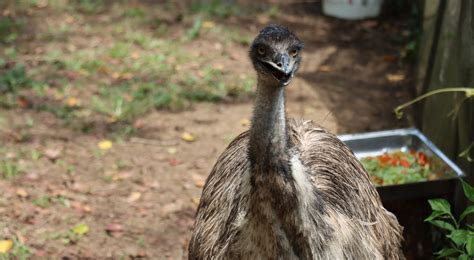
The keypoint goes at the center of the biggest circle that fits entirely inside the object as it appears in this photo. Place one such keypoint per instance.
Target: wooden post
(448, 119)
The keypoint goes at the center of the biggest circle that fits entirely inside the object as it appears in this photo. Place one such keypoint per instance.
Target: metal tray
(376, 143)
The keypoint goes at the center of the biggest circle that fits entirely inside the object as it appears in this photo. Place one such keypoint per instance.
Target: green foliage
(90, 6)
(460, 239)
(92, 66)
(19, 251)
(9, 168)
(218, 8)
(193, 32)
(135, 12)
(73, 235)
(14, 78)
(119, 50)
(466, 153)
(9, 29)
(274, 11)
(42, 202)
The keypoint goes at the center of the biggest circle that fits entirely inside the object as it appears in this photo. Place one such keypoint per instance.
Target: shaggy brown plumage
(288, 189)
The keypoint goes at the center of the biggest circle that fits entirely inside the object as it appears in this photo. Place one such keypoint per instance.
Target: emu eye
(293, 52)
(261, 50)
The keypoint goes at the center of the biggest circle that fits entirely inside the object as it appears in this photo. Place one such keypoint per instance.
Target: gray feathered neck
(269, 142)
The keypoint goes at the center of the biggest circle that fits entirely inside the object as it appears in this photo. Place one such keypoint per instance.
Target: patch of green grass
(9, 168)
(141, 241)
(35, 154)
(119, 50)
(115, 105)
(43, 201)
(63, 201)
(90, 6)
(135, 12)
(14, 78)
(10, 28)
(92, 66)
(141, 40)
(63, 164)
(19, 251)
(274, 11)
(193, 32)
(72, 235)
(108, 179)
(57, 32)
(217, 8)
(143, 69)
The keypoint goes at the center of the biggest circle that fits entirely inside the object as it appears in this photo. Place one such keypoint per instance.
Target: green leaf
(471, 227)
(446, 252)
(440, 205)
(463, 257)
(470, 244)
(467, 211)
(434, 215)
(80, 229)
(468, 190)
(442, 224)
(458, 236)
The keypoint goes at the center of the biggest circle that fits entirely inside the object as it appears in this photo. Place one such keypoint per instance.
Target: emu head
(275, 54)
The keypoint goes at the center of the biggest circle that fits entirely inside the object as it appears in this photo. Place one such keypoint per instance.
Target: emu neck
(268, 134)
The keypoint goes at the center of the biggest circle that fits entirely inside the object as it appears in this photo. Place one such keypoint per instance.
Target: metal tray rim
(406, 131)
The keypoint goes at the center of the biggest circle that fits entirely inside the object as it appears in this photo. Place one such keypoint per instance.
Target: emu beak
(281, 68)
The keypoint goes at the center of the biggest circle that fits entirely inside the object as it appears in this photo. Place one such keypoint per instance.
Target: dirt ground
(138, 198)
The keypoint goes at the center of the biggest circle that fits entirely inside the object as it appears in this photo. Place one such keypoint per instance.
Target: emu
(289, 189)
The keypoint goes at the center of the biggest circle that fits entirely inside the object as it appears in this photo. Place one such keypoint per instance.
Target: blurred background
(112, 113)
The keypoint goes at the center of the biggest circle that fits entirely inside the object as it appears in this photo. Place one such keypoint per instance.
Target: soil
(139, 197)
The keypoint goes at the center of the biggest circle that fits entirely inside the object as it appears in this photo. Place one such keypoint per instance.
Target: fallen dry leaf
(22, 193)
(198, 180)
(87, 209)
(81, 207)
(188, 137)
(11, 155)
(139, 254)
(172, 150)
(23, 102)
(174, 162)
(208, 24)
(244, 122)
(121, 176)
(171, 208)
(126, 76)
(32, 176)
(135, 55)
(369, 24)
(72, 102)
(395, 77)
(389, 58)
(80, 229)
(325, 68)
(115, 75)
(5, 246)
(53, 153)
(134, 196)
(114, 230)
(195, 200)
(139, 123)
(105, 144)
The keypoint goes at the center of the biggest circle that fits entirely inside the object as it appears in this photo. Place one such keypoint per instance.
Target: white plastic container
(352, 9)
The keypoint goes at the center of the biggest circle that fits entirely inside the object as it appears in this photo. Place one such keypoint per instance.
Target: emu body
(288, 189)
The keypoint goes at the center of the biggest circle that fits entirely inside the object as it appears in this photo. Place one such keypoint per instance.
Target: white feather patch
(304, 186)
